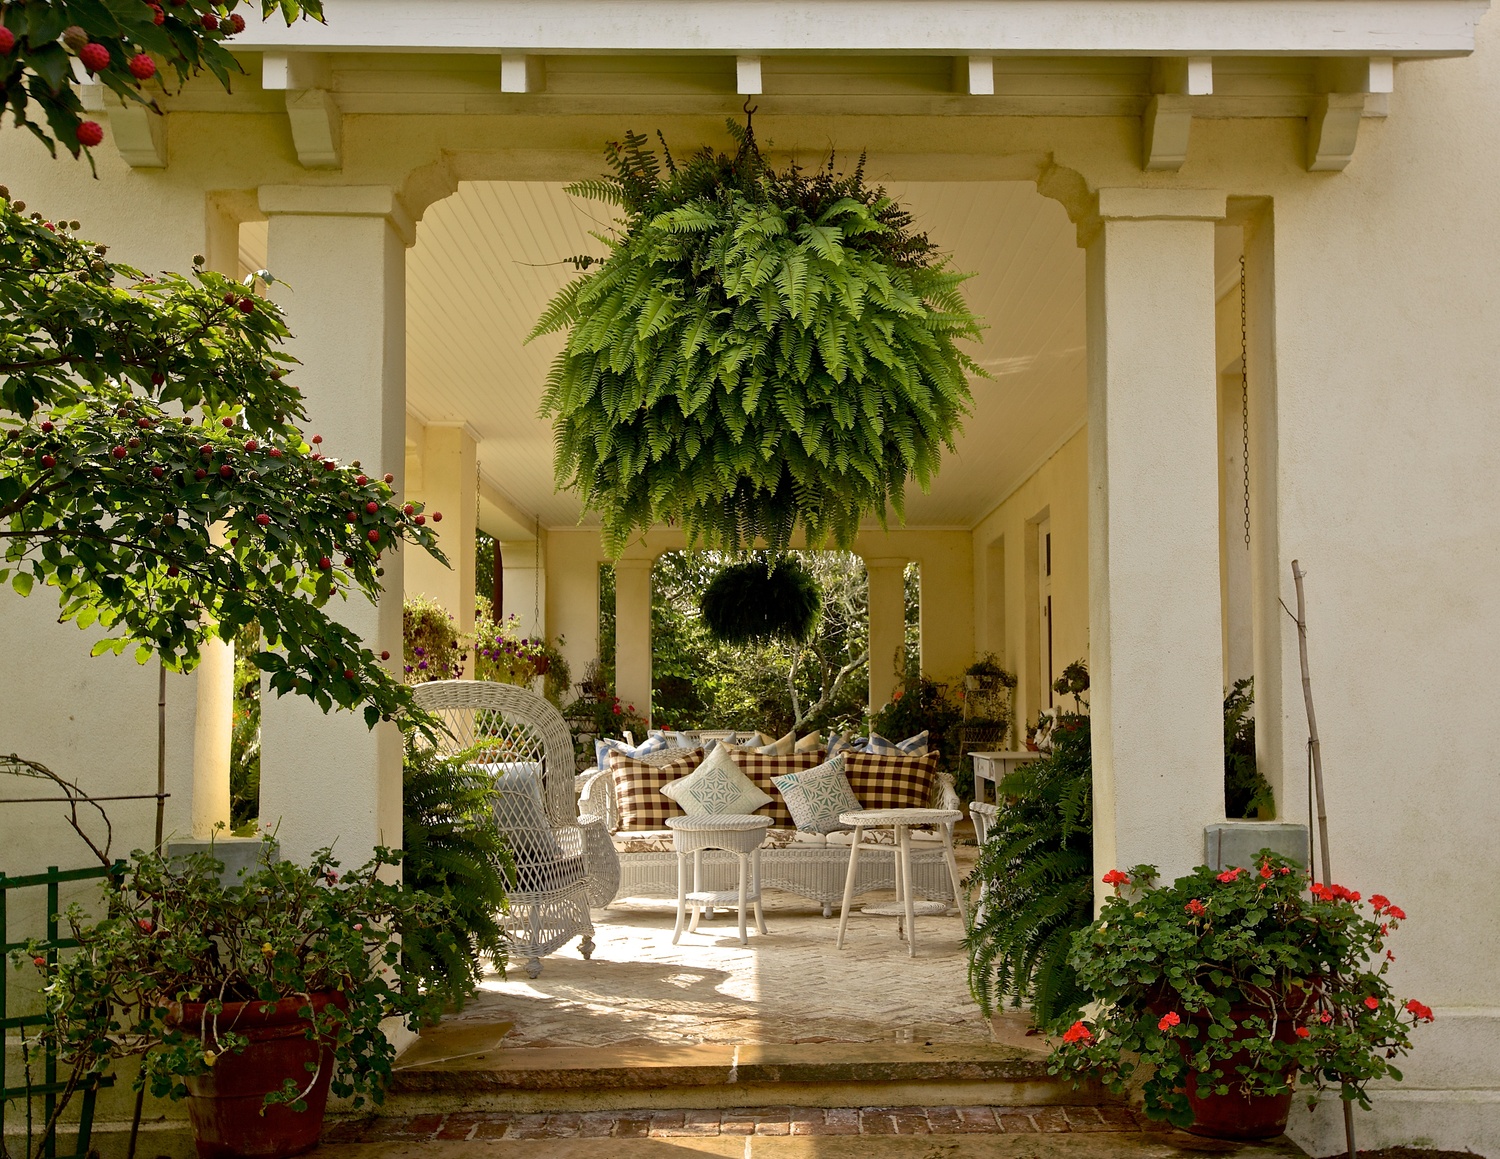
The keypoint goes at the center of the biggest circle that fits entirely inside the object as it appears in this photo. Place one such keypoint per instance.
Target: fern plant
(455, 851)
(766, 598)
(760, 351)
(1036, 871)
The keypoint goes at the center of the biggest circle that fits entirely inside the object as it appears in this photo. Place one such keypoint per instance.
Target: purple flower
(423, 665)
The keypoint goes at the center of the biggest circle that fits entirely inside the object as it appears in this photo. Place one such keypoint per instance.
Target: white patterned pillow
(817, 796)
(716, 786)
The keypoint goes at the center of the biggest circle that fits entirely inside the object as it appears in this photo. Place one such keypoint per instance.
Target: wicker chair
(564, 863)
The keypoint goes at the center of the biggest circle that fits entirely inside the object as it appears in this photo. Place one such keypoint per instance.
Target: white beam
(977, 75)
(747, 80)
(295, 70)
(520, 73)
(1404, 28)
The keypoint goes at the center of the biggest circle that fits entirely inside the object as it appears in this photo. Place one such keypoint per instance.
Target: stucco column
(887, 626)
(339, 255)
(633, 633)
(213, 728)
(450, 487)
(1156, 647)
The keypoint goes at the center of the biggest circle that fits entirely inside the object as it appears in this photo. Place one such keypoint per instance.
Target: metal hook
(748, 111)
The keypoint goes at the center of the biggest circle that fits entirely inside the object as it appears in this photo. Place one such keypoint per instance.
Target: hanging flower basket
(761, 600)
(761, 351)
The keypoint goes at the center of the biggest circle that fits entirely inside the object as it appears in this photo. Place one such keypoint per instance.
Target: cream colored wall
(1006, 606)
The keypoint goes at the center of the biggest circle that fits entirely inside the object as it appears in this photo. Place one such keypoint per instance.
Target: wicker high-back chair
(563, 862)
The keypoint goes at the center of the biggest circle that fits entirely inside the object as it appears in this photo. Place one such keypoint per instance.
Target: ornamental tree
(123, 44)
(152, 470)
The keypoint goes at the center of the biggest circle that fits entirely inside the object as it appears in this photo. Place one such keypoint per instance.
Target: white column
(633, 633)
(339, 255)
(1155, 636)
(213, 727)
(450, 487)
(887, 626)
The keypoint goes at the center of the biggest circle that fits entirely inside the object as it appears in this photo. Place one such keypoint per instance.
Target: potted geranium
(250, 1000)
(1230, 990)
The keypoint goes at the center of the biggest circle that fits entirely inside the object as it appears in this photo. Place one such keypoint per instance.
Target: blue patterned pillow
(604, 745)
(817, 796)
(716, 787)
(912, 746)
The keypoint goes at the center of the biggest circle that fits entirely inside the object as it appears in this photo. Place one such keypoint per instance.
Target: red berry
(372, 507)
(48, 461)
(225, 471)
(348, 561)
(157, 472)
(207, 450)
(251, 445)
(143, 424)
(210, 21)
(95, 57)
(437, 516)
(390, 478)
(36, 961)
(227, 423)
(349, 517)
(385, 655)
(157, 378)
(89, 134)
(361, 480)
(274, 452)
(172, 571)
(7, 40)
(247, 305)
(133, 442)
(348, 673)
(263, 519)
(409, 509)
(317, 439)
(119, 452)
(229, 299)
(374, 535)
(236, 23)
(420, 520)
(325, 563)
(47, 427)
(199, 473)
(142, 67)
(157, 15)
(329, 464)
(315, 456)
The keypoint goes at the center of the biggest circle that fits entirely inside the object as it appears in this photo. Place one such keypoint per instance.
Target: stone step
(450, 1075)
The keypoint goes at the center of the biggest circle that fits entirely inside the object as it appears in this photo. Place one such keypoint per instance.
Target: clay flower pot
(1238, 1115)
(226, 1105)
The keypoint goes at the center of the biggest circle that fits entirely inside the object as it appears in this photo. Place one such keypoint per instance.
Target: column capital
(875, 561)
(339, 201)
(1135, 204)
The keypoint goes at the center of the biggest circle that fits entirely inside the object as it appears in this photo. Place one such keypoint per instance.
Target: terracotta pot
(226, 1104)
(541, 664)
(1237, 1115)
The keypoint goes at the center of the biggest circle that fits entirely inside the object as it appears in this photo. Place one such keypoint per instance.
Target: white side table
(905, 906)
(994, 767)
(739, 833)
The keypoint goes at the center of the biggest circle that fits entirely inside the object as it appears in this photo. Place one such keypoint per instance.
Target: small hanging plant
(762, 350)
(760, 600)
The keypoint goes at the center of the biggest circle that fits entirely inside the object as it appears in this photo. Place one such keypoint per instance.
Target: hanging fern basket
(762, 600)
(762, 351)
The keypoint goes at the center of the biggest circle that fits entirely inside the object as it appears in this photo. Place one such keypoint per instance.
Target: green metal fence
(50, 1087)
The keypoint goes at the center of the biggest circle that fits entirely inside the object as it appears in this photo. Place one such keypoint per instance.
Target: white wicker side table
(739, 833)
(905, 906)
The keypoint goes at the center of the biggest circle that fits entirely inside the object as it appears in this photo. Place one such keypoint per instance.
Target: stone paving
(757, 1121)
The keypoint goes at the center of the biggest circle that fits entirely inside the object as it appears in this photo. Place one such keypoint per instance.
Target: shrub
(1246, 792)
(433, 648)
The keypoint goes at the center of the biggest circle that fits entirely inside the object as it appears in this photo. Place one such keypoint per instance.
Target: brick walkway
(746, 1121)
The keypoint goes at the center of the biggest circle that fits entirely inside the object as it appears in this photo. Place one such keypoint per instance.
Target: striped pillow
(761, 769)
(638, 788)
(887, 782)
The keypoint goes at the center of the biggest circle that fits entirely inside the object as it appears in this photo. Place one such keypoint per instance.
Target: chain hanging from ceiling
(1244, 402)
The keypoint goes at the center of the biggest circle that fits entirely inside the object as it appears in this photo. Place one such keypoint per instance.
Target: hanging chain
(536, 578)
(1244, 402)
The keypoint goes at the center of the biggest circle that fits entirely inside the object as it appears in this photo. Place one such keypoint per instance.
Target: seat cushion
(716, 786)
(817, 797)
(521, 815)
(638, 788)
(891, 782)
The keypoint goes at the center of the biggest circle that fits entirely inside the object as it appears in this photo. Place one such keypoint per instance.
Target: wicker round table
(905, 906)
(739, 833)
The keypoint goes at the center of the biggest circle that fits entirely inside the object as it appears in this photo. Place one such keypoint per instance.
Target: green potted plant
(1230, 990)
(251, 1000)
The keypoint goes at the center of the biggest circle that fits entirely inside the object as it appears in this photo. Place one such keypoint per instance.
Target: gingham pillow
(761, 769)
(912, 746)
(638, 788)
(818, 796)
(886, 782)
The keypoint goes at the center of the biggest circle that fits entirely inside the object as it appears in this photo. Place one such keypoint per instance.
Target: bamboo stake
(1316, 748)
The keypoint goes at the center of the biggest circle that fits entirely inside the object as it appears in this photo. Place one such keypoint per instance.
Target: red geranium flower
(1379, 901)
(1423, 1012)
(1230, 875)
(1265, 870)
(1168, 1020)
(1303, 1032)
(1078, 1032)
(1395, 911)
(1372, 1002)
(1196, 908)
(1116, 877)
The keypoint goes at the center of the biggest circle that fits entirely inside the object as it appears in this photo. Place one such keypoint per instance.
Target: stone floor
(791, 985)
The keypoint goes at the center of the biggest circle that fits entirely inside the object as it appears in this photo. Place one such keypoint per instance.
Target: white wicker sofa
(805, 864)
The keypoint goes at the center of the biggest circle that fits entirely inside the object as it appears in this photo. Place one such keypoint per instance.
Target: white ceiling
(486, 262)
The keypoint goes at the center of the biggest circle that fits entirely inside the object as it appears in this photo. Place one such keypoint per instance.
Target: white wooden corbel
(1168, 120)
(140, 135)
(974, 75)
(747, 79)
(1352, 89)
(311, 110)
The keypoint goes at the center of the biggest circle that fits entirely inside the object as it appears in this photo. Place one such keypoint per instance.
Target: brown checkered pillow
(761, 768)
(638, 792)
(886, 782)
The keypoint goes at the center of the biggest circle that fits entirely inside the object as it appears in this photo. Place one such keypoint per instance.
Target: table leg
(697, 885)
(901, 885)
(849, 883)
(682, 890)
(958, 889)
(903, 838)
(744, 874)
(760, 917)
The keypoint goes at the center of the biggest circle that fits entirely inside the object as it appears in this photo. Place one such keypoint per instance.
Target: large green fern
(1036, 870)
(760, 351)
